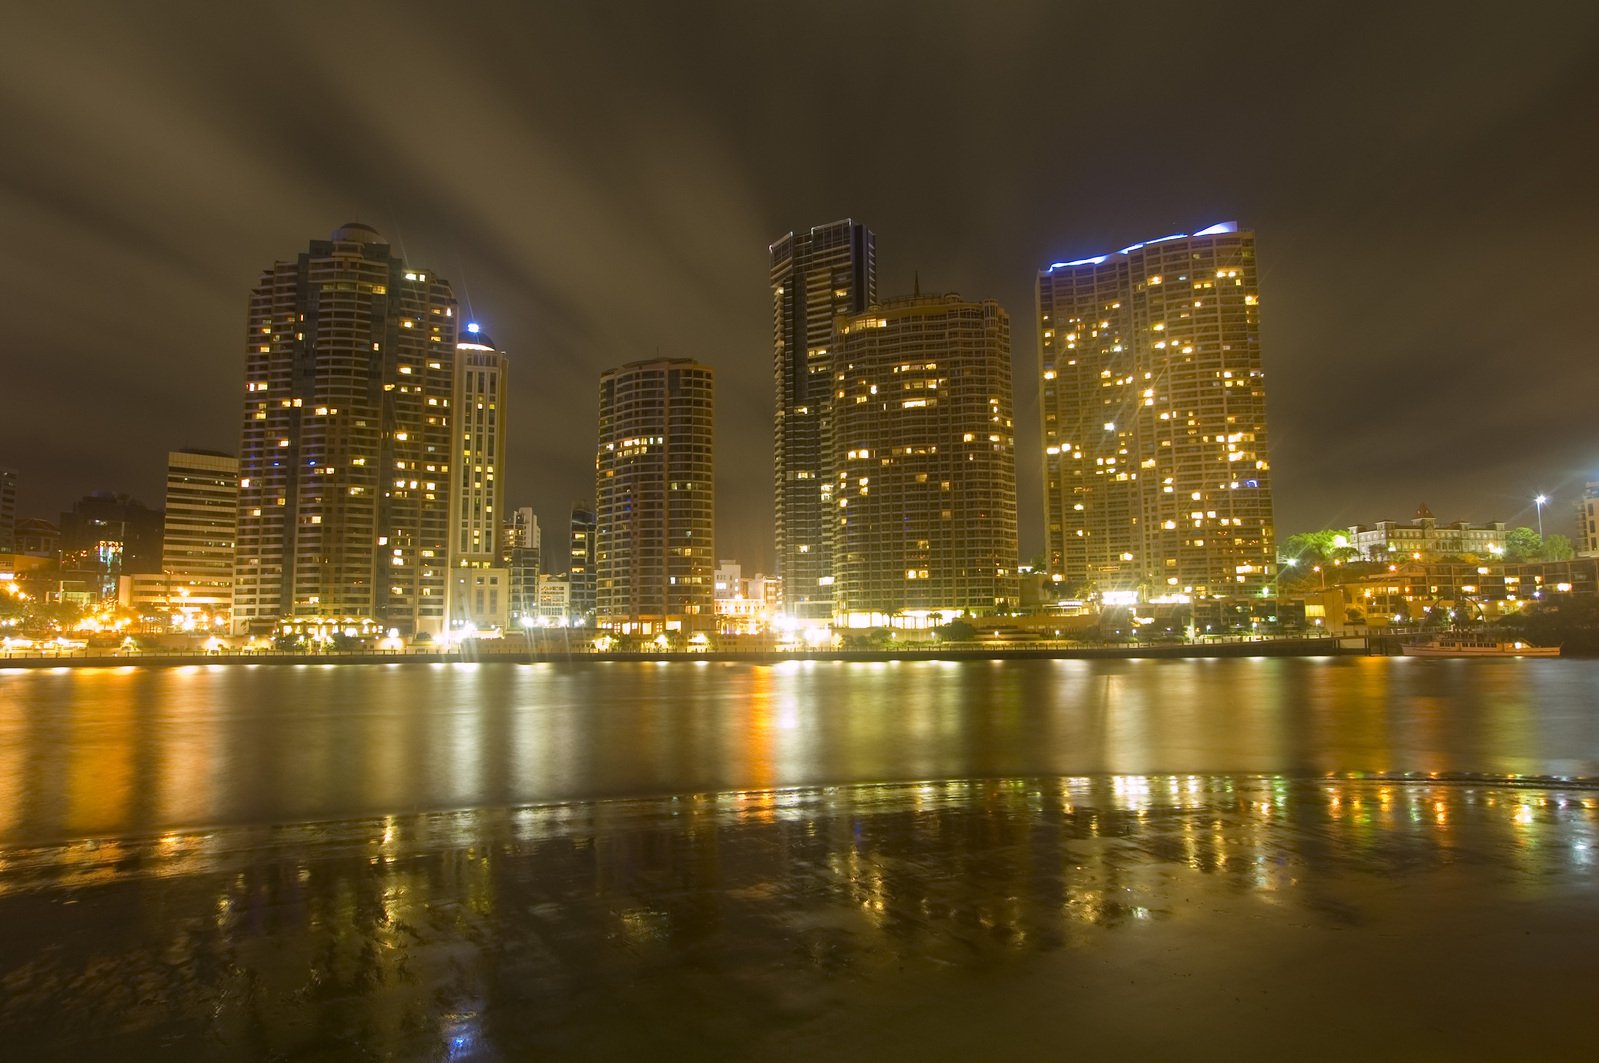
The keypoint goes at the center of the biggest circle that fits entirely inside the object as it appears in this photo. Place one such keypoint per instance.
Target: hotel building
(815, 277)
(655, 519)
(344, 489)
(923, 460)
(1156, 478)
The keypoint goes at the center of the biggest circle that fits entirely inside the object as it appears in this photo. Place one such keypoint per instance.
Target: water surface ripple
(117, 751)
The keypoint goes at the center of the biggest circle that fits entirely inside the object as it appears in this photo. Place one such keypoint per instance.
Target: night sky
(600, 183)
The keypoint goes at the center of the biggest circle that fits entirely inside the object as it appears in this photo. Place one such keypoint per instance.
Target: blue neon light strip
(1210, 230)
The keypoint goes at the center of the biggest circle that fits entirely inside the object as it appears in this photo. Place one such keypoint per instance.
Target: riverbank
(514, 653)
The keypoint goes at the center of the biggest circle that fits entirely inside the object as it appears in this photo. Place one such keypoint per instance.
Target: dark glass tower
(816, 276)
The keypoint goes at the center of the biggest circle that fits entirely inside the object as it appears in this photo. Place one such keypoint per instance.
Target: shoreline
(1294, 647)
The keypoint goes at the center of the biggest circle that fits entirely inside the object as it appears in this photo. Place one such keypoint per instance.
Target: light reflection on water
(136, 751)
(510, 931)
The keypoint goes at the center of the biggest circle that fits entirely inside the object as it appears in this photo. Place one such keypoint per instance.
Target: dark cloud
(600, 182)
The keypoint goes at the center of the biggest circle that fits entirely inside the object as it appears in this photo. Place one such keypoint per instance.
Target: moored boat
(1469, 644)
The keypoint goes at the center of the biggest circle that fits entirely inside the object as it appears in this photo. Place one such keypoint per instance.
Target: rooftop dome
(473, 333)
(356, 232)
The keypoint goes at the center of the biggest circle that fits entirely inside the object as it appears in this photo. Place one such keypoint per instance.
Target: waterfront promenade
(515, 651)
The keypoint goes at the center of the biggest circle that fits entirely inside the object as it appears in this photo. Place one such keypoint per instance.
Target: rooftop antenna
(916, 282)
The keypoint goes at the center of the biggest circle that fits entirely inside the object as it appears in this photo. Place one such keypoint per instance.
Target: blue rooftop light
(1211, 230)
(473, 328)
(1096, 260)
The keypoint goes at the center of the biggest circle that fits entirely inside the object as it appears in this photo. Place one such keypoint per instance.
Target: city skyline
(1390, 183)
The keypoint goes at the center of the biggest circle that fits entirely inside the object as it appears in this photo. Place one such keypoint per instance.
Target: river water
(889, 860)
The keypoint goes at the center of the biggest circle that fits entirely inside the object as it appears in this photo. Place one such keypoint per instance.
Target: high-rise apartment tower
(478, 596)
(815, 277)
(344, 462)
(923, 460)
(1156, 479)
(655, 554)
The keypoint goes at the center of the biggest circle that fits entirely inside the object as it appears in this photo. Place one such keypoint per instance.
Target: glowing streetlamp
(1539, 501)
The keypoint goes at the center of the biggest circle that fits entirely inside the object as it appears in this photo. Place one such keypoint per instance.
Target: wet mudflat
(1012, 918)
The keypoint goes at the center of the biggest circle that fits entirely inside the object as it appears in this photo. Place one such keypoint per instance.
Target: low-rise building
(1423, 539)
(1408, 592)
(554, 600)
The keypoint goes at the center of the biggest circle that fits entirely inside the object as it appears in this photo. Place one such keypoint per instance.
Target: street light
(1539, 501)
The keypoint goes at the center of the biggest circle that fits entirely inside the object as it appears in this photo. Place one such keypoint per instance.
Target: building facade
(8, 511)
(555, 601)
(1424, 539)
(521, 555)
(197, 541)
(580, 562)
(344, 458)
(37, 537)
(654, 484)
(923, 462)
(1420, 592)
(815, 277)
(1588, 521)
(1156, 478)
(105, 537)
(478, 597)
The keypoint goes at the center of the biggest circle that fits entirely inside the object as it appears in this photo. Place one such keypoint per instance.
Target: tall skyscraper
(1156, 479)
(8, 510)
(816, 276)
(654, 481)
(197, 541)
(923, 460)
(344, 489)
(479, 590)
(580, 562)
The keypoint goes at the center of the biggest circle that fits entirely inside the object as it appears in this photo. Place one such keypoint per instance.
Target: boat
(1470, 644)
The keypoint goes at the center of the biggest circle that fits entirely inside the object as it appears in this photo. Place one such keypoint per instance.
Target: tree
(1317, 547)
(1523, 544)
(957, 631)
(1558, 548)
(1568, 621)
